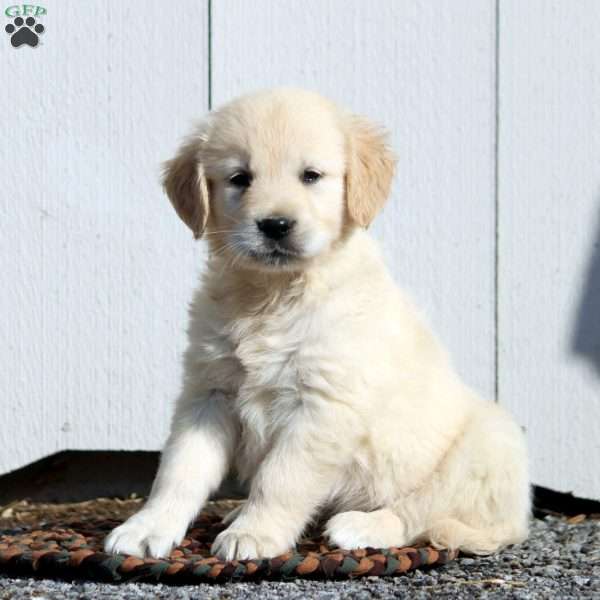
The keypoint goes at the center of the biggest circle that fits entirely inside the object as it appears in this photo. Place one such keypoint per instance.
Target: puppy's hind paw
(356, 529)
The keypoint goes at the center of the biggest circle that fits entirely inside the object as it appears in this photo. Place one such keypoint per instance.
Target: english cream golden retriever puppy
(308, 371)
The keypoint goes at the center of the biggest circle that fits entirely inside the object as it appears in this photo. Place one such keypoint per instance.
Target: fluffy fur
(308, 371)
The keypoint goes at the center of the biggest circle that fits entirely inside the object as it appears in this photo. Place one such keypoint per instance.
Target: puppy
(307, 370)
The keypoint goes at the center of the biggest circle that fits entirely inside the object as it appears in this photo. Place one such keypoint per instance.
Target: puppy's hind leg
(481, 494)
(452, 533)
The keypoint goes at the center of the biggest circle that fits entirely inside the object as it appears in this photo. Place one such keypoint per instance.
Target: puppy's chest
(271, 355)
(274, 363)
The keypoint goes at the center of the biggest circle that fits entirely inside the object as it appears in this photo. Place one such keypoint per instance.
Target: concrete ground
(561, 560)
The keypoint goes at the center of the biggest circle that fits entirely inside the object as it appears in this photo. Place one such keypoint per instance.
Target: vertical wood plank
(95, 268)
(425, 70)
(549, 232)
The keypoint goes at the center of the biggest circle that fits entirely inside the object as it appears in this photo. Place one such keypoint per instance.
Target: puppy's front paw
(236, 543)
(146, 533)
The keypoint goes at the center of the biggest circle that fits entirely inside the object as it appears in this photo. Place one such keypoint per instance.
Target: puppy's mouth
(275, 255)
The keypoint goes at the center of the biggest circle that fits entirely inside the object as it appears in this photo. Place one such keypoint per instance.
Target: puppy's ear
(370, 165)
(185, 183)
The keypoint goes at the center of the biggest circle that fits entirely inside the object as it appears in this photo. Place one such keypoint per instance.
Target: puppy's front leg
(294, 479)
(193, 463)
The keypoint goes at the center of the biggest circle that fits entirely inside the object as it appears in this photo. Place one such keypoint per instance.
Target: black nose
(275, 228)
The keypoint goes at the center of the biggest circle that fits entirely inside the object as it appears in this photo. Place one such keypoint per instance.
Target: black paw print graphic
(24, 34)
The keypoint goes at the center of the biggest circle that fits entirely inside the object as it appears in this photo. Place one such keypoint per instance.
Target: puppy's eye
(311, 176)
(241, 179)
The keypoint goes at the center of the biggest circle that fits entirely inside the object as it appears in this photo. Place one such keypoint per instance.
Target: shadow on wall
(81, 475)
(586, 337)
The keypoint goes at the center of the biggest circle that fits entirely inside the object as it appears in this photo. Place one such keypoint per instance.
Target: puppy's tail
(456, 535)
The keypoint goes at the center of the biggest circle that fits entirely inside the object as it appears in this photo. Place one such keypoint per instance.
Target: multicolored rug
(72, 549)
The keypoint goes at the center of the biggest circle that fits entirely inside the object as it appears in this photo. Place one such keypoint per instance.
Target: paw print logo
(24, 32)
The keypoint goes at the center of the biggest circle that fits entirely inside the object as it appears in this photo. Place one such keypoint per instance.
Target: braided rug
(71, 549)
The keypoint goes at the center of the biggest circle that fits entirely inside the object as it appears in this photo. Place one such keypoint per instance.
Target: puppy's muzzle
(275, 228)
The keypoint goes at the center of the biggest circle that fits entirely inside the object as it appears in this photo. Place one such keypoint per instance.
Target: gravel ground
(560, 560)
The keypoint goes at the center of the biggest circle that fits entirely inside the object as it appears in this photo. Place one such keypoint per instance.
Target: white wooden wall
(549, 234)
(494, 223)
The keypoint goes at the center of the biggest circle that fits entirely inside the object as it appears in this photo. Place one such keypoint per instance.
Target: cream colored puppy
(307, 370)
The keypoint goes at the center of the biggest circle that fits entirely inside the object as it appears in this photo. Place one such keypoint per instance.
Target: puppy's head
(276, 178)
